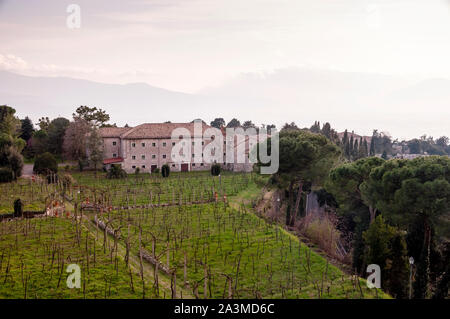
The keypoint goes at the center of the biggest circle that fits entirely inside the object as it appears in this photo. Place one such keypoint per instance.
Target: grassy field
(203, 248)
(33, 195)
(34, 255)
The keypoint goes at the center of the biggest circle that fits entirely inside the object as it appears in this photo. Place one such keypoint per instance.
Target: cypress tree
(355, 150)
(398, 274)
(346, 145)
(365, 148)
(352, 142)
(372, 148)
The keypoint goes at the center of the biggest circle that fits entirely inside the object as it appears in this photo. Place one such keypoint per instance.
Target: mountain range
(404, 107)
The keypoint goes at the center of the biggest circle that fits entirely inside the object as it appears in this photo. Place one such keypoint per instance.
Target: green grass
(34, 255)
(261, 259)
(236, 250)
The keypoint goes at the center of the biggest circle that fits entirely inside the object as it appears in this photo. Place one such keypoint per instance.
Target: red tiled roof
(158, 130)
(112, 160)
(113, 131)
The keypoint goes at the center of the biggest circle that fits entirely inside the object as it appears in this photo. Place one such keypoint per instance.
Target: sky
(192, 45)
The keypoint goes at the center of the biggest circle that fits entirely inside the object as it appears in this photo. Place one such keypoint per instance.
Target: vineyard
(186, 236)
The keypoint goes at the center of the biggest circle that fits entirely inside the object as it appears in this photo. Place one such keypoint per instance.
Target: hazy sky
(189, 45)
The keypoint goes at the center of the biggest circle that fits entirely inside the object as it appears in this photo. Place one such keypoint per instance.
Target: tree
(351, 145)
(248, 124)
(116, 172)
(96, 117)
(405, 190)
(363, 152)
(218, 122)
(289, 126)
(74, 144)
(355, 150)
(56, 131)
(215, 169)
(39, 142)
(15, 160)
(386, 247)
(304, 157)
(95, 148)
(398, 268)
(27, 129)
(44, 123)
(347, 184)
(234, 123)
(45, 164)
(11, 145)
(269, 127)
(315, 128)
(18, 208)
(372, 148)
(326, 130)
(6, 175)
(442, 141)
(9, 124)
(165, 170)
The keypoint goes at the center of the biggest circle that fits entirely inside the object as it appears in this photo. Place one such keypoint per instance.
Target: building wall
(109, 149)
(158, 152)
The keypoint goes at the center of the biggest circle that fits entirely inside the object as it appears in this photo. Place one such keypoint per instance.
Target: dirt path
(27, 170)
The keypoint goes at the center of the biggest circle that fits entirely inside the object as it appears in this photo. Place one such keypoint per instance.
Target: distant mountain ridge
(405, 108)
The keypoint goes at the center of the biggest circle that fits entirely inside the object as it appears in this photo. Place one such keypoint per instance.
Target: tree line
(389, 209)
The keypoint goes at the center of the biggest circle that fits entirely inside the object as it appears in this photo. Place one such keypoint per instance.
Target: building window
(201, 164)
(164, 144)
(134, 166)
(133, 144)
(193, 155)
(173, 165)
(143, 166)
(143, 144)
(153, 144)
(164, 155)
(203, 143)
(193, 164)
(114, 143)
(153, 156)
(114, 155)
(193, 143)
(133, 157)
(173, 143)
(143, 157)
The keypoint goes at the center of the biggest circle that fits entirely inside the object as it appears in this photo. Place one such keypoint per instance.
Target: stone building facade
(149, 146)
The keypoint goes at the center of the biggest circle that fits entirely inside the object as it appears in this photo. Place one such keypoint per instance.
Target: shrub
(81, 164)
(67, 180)
(165, 170)
(16, 163)
(18, 208)
(137, 171)
(116, 171)
(215, 169)
(156, 171)
(45, 164)
(6, 175)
